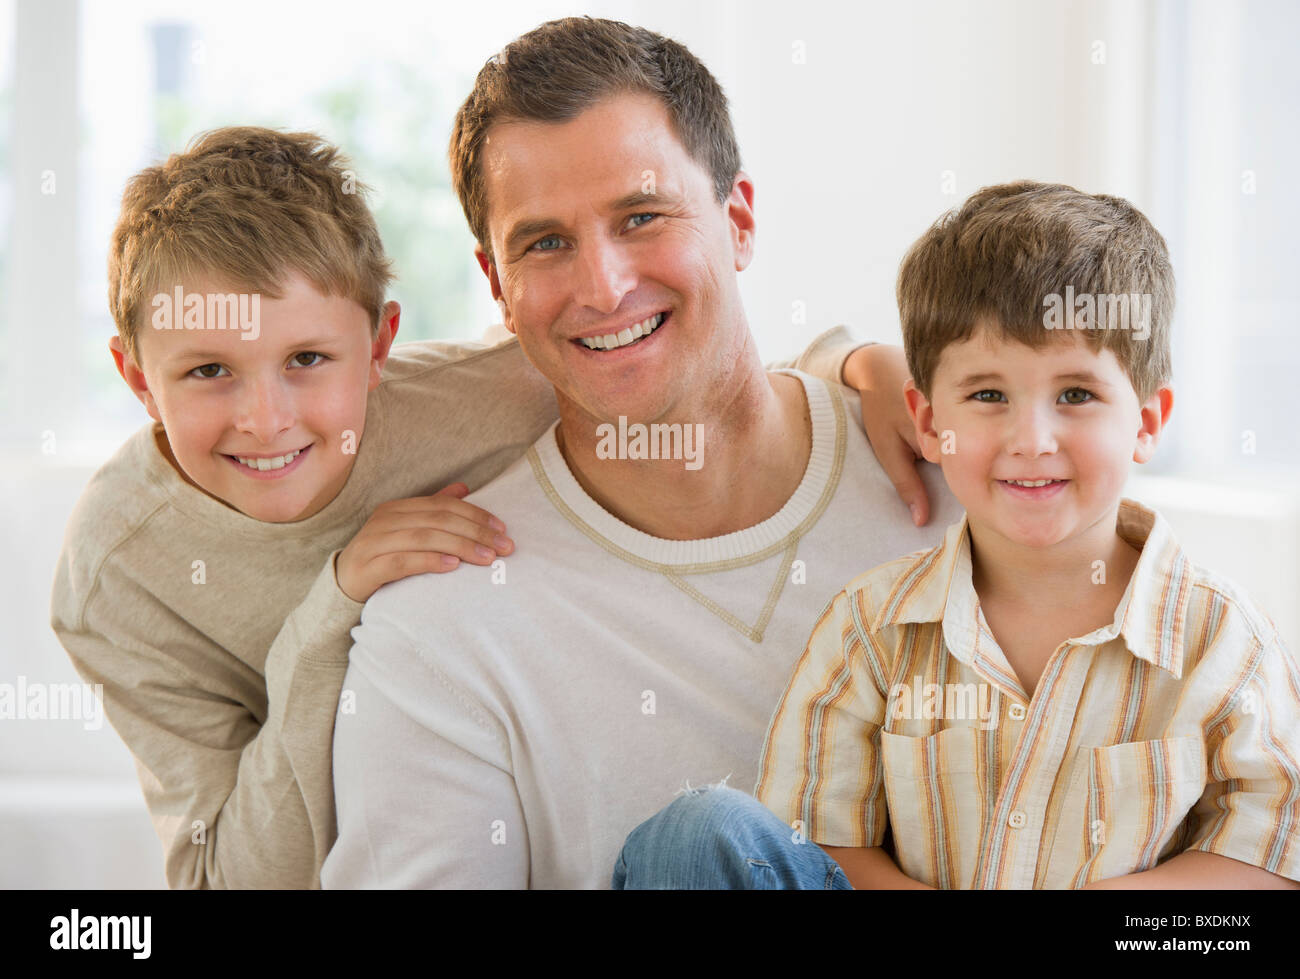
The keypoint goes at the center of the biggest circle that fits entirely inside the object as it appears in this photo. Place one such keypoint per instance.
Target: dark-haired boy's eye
(997, 395)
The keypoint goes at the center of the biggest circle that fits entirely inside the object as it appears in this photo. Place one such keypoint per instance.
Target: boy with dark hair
(1054, 697)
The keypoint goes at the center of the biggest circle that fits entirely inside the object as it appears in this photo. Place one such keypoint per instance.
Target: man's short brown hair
(556, 71)
(1001, 256)
(243, 206)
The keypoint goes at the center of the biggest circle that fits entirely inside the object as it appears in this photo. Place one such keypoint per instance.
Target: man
(678, 532)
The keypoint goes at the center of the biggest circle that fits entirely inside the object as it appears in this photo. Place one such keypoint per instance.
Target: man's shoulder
(516, 497)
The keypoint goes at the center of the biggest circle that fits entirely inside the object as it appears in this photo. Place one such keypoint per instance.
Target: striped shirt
(1176, 727)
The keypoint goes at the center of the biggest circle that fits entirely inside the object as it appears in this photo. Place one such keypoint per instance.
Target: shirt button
(1017, 712)
(1017, 819)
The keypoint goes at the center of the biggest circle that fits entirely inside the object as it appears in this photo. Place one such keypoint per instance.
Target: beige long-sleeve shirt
(222, 641)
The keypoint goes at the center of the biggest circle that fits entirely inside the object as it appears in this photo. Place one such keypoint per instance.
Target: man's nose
(605, 275)
(265, 409)
(1032, 432)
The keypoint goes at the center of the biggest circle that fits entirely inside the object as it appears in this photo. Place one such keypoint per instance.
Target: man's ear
(133, 375)
(740, 209)
(1155, 416)
(918, 406)
(489, 268)
(383, 342)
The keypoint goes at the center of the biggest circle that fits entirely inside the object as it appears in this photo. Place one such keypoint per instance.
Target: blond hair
(245, 206)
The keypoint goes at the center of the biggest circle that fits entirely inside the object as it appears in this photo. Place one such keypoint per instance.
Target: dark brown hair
(556, 71)
(999, 257)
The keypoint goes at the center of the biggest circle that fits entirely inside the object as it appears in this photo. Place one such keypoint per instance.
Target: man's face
(262, 424)
(1003, 413)
(614, 259)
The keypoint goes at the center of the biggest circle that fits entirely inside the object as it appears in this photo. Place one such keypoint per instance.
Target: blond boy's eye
(207, 371)
(1076, 396)
(307, 358)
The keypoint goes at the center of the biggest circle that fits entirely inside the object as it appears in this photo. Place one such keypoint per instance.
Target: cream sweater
(223, 677)
(509, 727)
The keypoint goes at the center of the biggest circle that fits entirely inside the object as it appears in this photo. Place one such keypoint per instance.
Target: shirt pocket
(935, 791)
(1125, 809)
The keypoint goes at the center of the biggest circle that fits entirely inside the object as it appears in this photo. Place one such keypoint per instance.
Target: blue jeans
(721, 838)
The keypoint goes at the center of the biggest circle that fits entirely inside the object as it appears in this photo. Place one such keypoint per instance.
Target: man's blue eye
(539, 245)
(648, 215)
(200, 372)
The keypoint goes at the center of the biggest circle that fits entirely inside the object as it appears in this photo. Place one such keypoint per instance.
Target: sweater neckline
(737, 549)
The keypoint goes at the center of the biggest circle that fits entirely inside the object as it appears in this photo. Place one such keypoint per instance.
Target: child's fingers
(403, 564)
(427, 508)
(465, 540)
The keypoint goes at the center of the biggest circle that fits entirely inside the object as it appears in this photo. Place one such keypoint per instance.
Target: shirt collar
(1150, 617)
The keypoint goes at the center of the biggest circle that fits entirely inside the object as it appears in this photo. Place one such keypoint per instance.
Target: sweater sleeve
(238, 789)
(825, 356)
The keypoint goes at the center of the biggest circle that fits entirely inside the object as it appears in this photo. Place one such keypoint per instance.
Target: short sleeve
(1250, 810)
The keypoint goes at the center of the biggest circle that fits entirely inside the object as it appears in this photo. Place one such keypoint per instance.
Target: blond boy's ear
(494, 283)
(1155, 416)
(133, 375)
(389, 317)
(918, 406)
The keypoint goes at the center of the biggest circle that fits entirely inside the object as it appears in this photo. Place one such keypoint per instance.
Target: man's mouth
(625, 337)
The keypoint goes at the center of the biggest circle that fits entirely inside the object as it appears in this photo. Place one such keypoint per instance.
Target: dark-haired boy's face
(615, 261)
(1002, 414)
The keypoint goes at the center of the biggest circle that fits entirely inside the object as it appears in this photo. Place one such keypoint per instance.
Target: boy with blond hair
(215, 566)
(1055, 696)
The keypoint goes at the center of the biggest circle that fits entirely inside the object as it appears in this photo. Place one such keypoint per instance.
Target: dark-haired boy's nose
(1031, 432)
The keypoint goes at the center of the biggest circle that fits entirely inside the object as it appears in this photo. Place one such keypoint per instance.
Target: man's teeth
(1036, 482)
(622, 338)
(262, 465)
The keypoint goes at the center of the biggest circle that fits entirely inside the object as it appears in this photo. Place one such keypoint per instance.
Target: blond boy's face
(271, 425)
(1002, 413)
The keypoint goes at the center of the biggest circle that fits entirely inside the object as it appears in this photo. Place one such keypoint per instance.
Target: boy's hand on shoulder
(418, 535)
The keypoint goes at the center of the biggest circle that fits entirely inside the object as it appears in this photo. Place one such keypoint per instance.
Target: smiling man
(509, 731)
